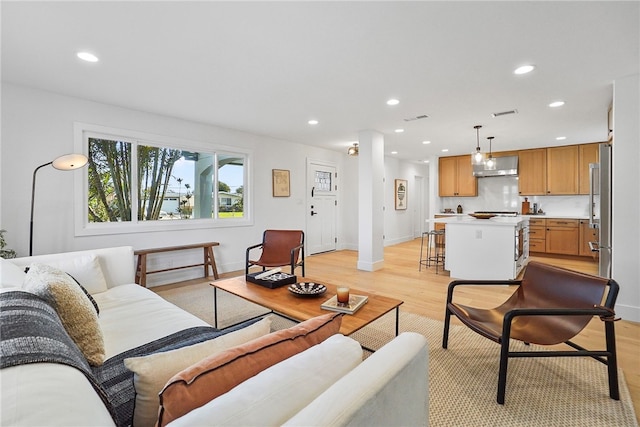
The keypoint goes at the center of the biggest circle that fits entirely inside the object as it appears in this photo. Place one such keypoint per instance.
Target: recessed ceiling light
(425, 161)
(426, 142)
(393, 102)
(86, 56)
(555, 104)
(444, 150)
(524, 69)
(313, 122)
(399, 130)
(561, 138)
(394, 152)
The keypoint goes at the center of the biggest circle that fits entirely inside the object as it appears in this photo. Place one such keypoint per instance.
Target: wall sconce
(353, 151)
(67, 162)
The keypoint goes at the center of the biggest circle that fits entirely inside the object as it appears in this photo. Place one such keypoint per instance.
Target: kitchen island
(486, 249)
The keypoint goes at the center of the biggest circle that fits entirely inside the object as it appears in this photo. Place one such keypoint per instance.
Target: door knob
(313, 213)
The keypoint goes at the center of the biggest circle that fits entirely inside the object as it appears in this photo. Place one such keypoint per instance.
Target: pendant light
(490, 163)
(477, 158)
(353, 151)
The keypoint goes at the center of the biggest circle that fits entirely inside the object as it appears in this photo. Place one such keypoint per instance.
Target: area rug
(463, 379)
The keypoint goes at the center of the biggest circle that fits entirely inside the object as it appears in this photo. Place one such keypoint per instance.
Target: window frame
(82, 226)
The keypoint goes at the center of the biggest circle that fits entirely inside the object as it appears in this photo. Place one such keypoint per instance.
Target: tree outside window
(129, 181)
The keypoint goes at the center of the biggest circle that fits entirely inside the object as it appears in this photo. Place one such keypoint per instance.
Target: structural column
(370, 201)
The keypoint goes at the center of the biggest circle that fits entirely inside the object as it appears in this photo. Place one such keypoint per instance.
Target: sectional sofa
(146, 358)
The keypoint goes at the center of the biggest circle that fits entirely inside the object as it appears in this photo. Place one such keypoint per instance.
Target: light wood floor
(424, 293)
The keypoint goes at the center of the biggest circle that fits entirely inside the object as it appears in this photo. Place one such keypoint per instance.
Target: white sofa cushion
(152, 372)
(117, 263)
(390, 388)
(279, 392)
(84, 268)
(11, 276)
(131, 315)
(49, 394)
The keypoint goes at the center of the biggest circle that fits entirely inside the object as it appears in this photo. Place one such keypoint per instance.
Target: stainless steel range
(499, 213)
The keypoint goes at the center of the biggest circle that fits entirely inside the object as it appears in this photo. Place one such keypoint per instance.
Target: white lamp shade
(70, 162)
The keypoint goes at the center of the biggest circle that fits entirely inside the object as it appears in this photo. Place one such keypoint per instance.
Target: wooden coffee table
(284, 303)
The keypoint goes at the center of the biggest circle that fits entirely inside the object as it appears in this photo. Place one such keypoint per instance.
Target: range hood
(505, 166)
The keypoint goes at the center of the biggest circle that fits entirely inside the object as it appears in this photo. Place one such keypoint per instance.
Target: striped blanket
(31, 332)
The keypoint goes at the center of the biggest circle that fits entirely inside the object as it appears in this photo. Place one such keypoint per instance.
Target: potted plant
(5, 253)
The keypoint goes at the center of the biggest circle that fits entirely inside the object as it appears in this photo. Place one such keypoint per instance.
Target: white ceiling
(269, 67)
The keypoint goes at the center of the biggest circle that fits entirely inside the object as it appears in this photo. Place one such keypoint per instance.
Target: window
(134, 183)
(323, 181)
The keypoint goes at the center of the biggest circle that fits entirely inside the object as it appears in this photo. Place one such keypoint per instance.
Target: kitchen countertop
(558, 216)
(468, 220)
(544, 215)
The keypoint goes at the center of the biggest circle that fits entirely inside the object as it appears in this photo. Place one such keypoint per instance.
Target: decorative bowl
(307, 289)
(482, 215)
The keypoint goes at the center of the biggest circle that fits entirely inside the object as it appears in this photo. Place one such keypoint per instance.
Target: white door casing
(322, 207)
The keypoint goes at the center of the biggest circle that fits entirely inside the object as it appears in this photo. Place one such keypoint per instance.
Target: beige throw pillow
(152, 372)
(76, 312)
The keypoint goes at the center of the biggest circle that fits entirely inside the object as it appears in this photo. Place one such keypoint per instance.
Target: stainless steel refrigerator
(600, 208)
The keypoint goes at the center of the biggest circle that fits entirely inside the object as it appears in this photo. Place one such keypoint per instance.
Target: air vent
(410, 119)
(504, 113)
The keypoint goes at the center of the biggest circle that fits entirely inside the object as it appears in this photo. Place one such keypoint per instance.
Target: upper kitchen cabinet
(562, 170)
(455, 177)
(589, 153)
(532, 172)
(553, 170)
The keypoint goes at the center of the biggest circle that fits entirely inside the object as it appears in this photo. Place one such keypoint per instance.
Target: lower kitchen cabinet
(562, 236)
(537, 235)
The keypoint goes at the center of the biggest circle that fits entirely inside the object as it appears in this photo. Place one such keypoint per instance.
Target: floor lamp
(67, 162)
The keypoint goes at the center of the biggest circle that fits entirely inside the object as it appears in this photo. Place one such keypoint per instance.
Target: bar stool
(439, 238)
(435, 249)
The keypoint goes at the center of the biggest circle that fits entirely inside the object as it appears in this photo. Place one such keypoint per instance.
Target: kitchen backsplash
(501, 194)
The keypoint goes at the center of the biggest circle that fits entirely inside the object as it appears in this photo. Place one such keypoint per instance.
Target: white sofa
(388, 388)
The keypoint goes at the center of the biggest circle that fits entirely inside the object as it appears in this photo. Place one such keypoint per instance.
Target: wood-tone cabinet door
(562, 170)
(467, 183)
(447, 176)
(532, 172)
(455, 177)
(587, 234)
(562, 240)
(589, 153)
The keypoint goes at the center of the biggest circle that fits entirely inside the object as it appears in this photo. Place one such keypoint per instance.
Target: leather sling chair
(551, 305)
(279, 248)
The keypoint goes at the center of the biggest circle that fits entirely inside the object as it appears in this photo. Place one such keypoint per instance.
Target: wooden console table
(209, 260)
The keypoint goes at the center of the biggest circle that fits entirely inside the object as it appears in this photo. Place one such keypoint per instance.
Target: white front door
(322, 206)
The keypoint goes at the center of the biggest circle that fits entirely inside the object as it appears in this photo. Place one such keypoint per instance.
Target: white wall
(348, 205)
(399, 224)
(626, 196)
(37, 127)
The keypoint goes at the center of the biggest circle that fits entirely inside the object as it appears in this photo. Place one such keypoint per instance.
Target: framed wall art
(281, 183)
(401, 194)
